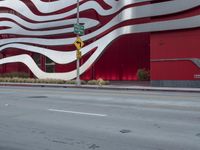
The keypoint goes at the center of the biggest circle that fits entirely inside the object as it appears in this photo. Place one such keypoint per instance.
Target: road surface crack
(94, 146)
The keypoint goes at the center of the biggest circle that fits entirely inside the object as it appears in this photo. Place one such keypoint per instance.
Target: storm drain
(37, 97)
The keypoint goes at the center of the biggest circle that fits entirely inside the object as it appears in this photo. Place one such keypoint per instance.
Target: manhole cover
(37, 97)
(125, 131)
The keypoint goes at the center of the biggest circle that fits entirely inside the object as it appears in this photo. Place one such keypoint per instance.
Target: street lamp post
(78, 59)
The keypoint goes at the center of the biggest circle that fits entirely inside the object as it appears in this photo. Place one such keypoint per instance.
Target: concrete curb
(106, 87)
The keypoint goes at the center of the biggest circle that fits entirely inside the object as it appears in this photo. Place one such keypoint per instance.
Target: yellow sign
(79, 43)
(78, 54)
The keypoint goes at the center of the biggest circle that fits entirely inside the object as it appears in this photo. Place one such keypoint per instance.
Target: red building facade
(120, 38)
(175, 54)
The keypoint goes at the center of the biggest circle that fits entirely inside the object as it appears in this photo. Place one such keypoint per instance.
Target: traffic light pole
(78, 82)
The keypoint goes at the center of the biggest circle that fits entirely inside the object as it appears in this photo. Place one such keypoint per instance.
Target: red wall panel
(172, 51)
(122, 59)
(175, 44)
(174, 70)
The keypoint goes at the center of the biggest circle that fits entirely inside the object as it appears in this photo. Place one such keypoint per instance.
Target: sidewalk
(141, 86)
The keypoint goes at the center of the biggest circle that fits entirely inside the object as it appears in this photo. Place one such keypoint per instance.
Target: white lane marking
(76, 112)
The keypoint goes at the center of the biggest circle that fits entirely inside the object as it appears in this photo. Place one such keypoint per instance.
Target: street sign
(78, 43)
(79, 29)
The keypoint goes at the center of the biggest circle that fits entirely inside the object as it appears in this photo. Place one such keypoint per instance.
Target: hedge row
(51, 81)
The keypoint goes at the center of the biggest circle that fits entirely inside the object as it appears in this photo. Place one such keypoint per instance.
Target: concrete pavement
(35, 118)
(143, 86)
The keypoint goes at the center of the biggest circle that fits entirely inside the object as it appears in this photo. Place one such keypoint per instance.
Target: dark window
(36, 58)
(50, 65)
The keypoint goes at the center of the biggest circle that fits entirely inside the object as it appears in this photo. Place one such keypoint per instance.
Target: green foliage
(98, 82)
(92, 82)
(143, 74)
(31, 80)
(15, 74)
(71, 82)
(13, 79)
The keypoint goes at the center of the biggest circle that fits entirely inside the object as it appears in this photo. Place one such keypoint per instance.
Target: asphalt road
(83, 119)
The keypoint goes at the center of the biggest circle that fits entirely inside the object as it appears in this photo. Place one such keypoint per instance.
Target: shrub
(92, 82)
(143, 75)
(99, 82)
(58, 81)
(51, 81)
(83, 82)
(71, 82)
(15, 74)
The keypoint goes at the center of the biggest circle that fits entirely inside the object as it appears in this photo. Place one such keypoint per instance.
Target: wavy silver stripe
(17, 30)
(50, 7)
(67, 57)
(44, 7)
(29, 62)
(189, 22)
(127, 14)
(29, 14)
(57, 56)
(196, 61)
(58, 5)
(86, 21)
(168, 7)
(55, 5)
